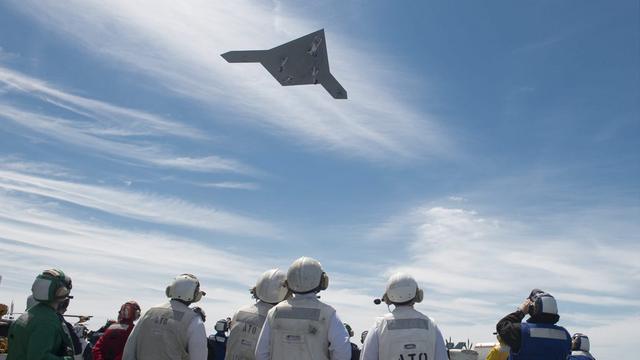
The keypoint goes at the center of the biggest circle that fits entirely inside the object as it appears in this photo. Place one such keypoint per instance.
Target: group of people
(287, 320)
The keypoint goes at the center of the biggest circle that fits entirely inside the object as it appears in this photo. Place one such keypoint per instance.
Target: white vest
(406, 334)
(162, 332)
(243, 337)
(300, 329)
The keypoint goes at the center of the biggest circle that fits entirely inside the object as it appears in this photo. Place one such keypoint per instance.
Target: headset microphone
(377, 301)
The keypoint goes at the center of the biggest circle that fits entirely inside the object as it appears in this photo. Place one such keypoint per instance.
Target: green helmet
(50, 286)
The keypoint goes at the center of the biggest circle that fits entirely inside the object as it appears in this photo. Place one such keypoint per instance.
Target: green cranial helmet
(51, 286)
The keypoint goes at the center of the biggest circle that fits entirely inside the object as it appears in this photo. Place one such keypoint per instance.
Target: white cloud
(233, 185)
(15, 163)
(135, 205)
(459, 250)
(476, 269)
(85, 135)
(108, 119)
(110, 265)
(180, 44)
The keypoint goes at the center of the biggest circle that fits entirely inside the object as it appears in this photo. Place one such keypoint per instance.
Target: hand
(526, 304)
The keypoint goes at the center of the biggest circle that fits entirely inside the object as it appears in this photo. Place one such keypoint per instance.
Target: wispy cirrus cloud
(475, 268)
(179, 45)
(110, 264)
(233, 185)
(86, 135)
(18, 164)
(107, 118)
(136, 205)
(482, 246)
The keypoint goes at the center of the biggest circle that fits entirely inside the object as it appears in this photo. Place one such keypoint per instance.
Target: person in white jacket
(173, 330)
(303, 327)
(247, 322)
(404, 333)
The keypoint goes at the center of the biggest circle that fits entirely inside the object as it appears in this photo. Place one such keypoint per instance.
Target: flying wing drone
(299, 62)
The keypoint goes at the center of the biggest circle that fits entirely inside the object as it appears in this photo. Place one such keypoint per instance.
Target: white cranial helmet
(185, 287)
(580, 342)
(271, 287)
(402, 288)
(305, 275)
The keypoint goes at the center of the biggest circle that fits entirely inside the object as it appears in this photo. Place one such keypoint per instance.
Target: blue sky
(486, 147)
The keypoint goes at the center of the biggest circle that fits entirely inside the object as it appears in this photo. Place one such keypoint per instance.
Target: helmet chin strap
(188, 303)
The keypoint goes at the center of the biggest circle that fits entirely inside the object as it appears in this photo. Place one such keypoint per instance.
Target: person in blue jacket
(539, 338)
(217, 343)
(580, 348)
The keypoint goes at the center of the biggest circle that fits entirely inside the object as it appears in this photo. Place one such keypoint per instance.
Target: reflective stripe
(402, 324)
(118, 326)
(549, 305)
(298, 313)
(250, 318)
(548, 333)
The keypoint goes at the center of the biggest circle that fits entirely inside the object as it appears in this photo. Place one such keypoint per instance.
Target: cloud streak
(111, 117)
(233, 185)
(110, 265)
(179, 45)
(134, 205)
(85, 135)
(476, 268)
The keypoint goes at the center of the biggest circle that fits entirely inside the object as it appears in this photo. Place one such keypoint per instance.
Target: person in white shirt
(173, 330)
(247, 322)
(404, 333)
(303, 327)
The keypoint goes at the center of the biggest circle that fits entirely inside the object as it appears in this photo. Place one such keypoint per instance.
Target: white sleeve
(339, 345)
(263, 351)
(129, 352)
(197, 336)
(441, 347)
(370, 346)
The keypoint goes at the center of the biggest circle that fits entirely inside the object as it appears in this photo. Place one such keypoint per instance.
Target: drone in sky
(302, 61)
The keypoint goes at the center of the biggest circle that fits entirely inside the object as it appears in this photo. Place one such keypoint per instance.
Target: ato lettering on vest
(420, 356)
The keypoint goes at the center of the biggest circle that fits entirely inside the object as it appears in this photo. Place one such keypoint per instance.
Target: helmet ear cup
(167, 291)
(577, 342)
(197, 294)
(324, 281)
(419, 295)
(51, 285)
(386, 299)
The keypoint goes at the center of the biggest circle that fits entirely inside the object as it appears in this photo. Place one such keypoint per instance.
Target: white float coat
(370, 346)
(197, 343)
(339, 345)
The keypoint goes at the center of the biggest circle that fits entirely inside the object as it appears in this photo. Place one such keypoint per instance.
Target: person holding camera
(539, 337)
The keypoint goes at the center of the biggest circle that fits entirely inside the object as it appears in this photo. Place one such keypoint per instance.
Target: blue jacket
(543, 342)
(217, 345)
